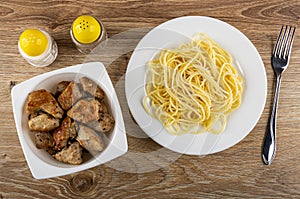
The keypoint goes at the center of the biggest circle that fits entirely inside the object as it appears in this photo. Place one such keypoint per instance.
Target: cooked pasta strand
(193, 88)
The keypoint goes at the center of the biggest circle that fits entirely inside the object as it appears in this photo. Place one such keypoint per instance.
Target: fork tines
(284, 42)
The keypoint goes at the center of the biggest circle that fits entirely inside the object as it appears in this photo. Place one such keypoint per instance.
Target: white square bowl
(41, 164)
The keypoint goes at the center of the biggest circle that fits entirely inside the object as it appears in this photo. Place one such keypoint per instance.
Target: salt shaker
(87, 32)
(37, 47)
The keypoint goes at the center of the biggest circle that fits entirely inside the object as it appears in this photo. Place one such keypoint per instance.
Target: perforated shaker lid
(86, 29)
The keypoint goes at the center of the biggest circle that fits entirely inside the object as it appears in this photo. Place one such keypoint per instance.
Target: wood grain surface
(237, 172)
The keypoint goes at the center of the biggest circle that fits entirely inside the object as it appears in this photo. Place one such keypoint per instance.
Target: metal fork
(280, 60)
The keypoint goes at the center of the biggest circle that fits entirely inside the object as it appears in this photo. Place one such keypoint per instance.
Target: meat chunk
(34, 114)
(44, 140)
(85, 111)
(102, 107)
(43, 122)
(71, 155)
(90, 140)
(42, 100)
(70, 96)
(65, 132)
(91, 87)
(61, 86)
(93, 113)
(104, 124)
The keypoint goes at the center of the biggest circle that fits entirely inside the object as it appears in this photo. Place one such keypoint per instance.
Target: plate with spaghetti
(196, 85)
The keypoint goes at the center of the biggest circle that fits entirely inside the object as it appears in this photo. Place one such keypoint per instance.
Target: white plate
(41, 164)
(173, 33)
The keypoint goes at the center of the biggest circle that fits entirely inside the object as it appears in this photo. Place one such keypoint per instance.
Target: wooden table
(233, 173)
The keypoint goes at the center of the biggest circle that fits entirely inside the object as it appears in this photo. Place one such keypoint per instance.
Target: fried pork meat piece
(105, 123)
(61, 86)
(92, 88)
(85, 110)
(90, 140)
(93, 113)
(66, 131)
(71, 154)
(70, 96)
(43, 122)
(42, 100)
(44, 140)
(102, 107)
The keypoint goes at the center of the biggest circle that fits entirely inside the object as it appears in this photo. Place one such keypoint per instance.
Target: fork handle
(269, 144)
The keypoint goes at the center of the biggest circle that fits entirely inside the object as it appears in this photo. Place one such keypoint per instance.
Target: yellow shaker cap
(86, 29)
(33, 42)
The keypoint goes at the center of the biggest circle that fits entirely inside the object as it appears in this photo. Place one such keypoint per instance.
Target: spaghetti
(193, 88)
